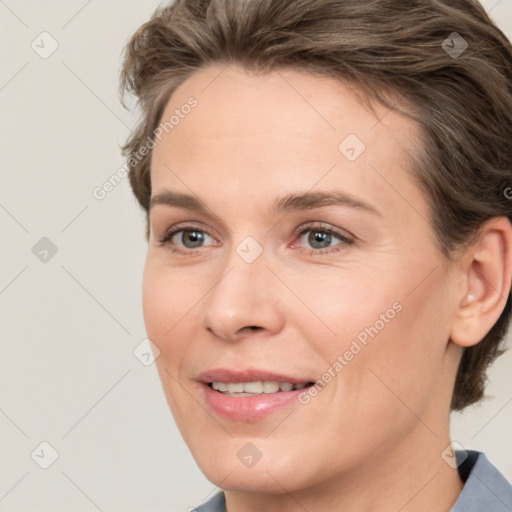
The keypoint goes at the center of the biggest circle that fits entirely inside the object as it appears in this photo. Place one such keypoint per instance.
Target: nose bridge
(244, 295)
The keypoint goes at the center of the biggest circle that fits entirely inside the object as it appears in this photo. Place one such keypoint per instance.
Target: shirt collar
(485, 487)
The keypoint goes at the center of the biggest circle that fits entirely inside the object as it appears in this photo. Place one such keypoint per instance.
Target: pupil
(317, 238)
(192, 238)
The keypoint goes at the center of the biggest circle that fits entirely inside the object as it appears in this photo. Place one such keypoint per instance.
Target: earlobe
(487, 277)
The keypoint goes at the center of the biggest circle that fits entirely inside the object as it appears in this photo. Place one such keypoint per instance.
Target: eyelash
(318, 227)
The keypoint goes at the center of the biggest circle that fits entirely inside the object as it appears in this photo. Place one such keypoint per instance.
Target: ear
(487, 276)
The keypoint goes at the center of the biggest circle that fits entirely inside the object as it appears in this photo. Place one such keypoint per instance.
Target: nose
(244, 301)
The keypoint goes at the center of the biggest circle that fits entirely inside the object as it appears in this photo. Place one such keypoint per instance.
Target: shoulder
(215, 504)
(485, 487)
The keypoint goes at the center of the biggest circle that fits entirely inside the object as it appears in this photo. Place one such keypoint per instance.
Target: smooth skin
(372, 439)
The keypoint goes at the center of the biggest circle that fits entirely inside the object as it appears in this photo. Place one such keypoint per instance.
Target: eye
(319, 238)
(186, 238)
(323, 239)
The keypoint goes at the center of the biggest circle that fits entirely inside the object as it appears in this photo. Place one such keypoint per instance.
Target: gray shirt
(485, 489)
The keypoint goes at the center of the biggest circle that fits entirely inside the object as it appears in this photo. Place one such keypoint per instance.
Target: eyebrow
(286, 204)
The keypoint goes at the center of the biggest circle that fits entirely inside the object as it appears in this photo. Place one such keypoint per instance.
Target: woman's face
(302, 253)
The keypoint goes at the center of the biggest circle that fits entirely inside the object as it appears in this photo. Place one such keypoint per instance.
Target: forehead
(285, 129)
(321, 101)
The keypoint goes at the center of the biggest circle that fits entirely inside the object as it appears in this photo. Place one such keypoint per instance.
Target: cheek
(157, 304)
(391, 341)
(344, 306)
(173, 317)
(167, 303)
(401, 367)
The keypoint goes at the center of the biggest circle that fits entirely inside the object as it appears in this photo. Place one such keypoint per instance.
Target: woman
(330, 248)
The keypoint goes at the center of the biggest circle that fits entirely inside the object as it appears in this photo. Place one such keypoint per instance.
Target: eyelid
(183, 226)
(323, 226)
(163, 217)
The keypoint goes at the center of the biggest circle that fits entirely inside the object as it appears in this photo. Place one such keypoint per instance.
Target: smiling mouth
(256, 388)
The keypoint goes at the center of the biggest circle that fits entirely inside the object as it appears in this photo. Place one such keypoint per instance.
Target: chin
(267, 475)
(248, 480)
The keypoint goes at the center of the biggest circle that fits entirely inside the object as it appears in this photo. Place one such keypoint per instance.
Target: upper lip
(249, 375)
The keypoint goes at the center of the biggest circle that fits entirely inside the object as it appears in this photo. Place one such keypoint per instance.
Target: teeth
(250, 387)
(256, 388)
(220, 386)
(238, 387)
(270, 386)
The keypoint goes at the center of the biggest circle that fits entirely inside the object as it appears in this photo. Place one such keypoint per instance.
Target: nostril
(251, 327)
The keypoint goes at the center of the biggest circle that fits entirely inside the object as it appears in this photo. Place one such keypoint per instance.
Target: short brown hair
(461, 102)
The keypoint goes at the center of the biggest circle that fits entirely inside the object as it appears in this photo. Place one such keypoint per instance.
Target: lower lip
(248, 408)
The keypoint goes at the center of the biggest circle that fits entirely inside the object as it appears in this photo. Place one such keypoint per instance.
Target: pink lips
(247, 408)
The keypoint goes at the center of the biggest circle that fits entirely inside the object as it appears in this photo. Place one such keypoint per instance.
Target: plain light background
(69, 326)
